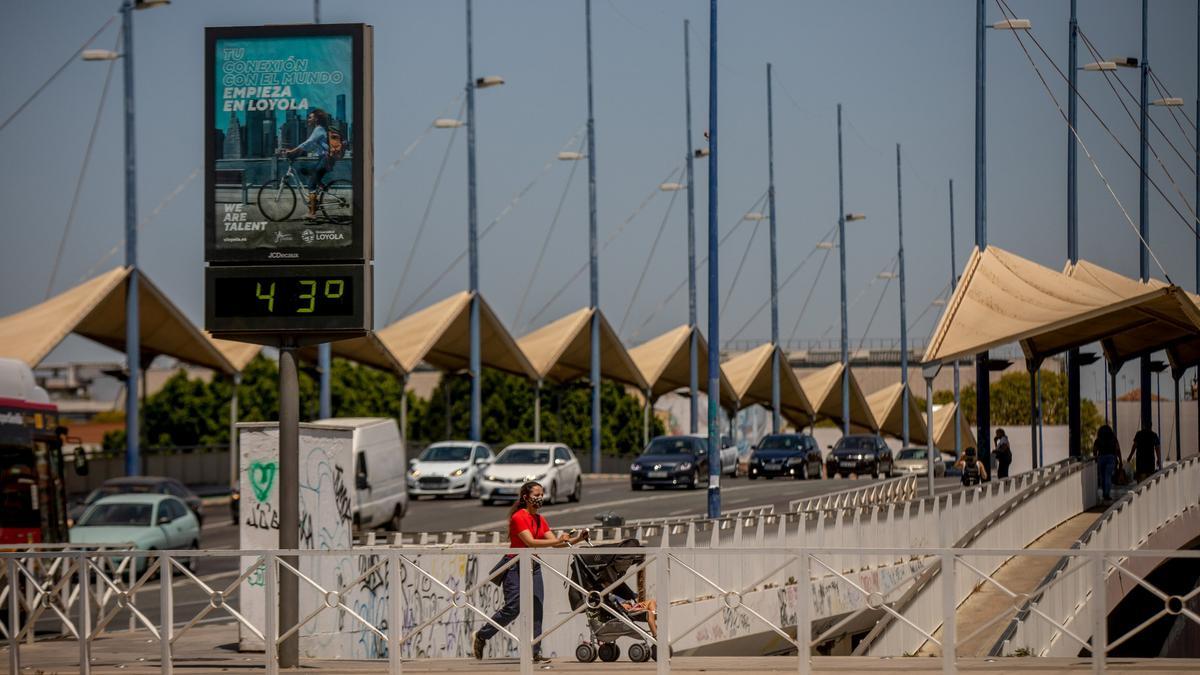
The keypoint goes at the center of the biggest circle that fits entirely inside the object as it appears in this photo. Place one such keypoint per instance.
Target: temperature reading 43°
(284, 296)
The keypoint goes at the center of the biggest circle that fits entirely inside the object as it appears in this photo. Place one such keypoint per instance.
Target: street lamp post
(694, 340)
(903, 313)
(133, 462)
(714, 317)
(592, 250)
(775, 365)
(1143, 202)
(842, 259)
(953, 285)
(1074, 402)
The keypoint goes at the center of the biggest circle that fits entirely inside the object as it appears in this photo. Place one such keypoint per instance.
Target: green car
(151, 522)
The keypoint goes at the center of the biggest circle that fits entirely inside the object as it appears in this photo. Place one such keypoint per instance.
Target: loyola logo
(262, 478)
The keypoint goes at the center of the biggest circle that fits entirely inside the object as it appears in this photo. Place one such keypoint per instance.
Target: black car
(787, 455)
(671, 461)
(859, 454)
(140, 485)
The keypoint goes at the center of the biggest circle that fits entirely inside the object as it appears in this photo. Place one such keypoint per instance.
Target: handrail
(926, 577)
(1081, 543)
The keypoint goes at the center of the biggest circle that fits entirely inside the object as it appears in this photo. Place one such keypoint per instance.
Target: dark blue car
(786, 455)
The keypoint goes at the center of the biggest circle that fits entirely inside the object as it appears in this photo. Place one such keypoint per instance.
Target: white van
(379, 468)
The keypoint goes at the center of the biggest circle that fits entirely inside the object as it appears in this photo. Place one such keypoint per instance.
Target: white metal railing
(406, 569)
(889, 490)
(1002, 521)
(1050, 618)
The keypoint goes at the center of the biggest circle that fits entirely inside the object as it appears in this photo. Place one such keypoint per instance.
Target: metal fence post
(85, 616)
(662, 599)
(14, 618)
(395, 614)
(803, 613)
(949, 605)
(525, 634)
(1099, 604)
(166, 602)
(271, 609)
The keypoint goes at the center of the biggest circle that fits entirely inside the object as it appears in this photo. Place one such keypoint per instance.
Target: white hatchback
(551, 464)
(449, 468)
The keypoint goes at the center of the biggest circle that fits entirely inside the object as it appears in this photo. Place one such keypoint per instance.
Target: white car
(449, 468)
(551, 464)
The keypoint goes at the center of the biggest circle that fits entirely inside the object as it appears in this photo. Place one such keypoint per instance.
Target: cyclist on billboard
(328, 146)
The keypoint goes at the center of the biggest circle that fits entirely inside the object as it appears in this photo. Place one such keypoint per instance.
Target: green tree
(1010, 403)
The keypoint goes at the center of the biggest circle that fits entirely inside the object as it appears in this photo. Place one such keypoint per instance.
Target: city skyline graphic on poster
(265, 91)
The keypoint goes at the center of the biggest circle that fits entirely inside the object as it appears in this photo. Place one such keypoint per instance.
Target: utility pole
(1074, 414)
(593, 251)
(473, 238)
(953, 285)
(842, 256)
(983, 401)
(324, 351)
(133, 347)
(775, 365)
(903, 311)
(1144, 203)
(714, 306)
(694, 340)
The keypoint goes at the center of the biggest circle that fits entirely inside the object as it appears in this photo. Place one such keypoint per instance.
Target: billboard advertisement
(288, 157)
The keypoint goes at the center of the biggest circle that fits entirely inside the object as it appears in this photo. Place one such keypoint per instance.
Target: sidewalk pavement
(211, 648)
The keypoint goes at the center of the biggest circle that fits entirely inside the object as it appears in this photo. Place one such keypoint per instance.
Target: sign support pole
(289, 500)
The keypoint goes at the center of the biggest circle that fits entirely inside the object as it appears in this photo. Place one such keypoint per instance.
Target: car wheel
(577, 493)
(553, 494)
(752, 476)
(803, 475)
(486, 502)
(695, 480)
(473, 491)
(635, 486)
(397, 519)
(193, 561)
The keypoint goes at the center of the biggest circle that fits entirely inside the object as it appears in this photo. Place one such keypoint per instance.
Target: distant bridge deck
(195, 655)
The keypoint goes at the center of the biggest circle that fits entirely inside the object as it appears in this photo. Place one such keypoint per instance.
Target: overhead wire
(787, 280)
(537, 267)
(412, 250)
(1167, 93)
(70, 59)
(875, 312)
(395, 164)
(649, 259)
(1163, 92)
(703, 261)
(741, 264)
(1075, 132)
(87, 158)
(512, 203)
(808, 298)
(611, 237)
(864, 291)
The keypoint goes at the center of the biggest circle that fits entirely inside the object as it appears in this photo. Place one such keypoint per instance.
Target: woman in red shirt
(526, 529)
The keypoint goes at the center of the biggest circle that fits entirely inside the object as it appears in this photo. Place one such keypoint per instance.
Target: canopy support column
(404, 413)
(1112, 380)
(646, 420)
(1034, 367)
(537, 412)
(930, 372)
(1177, 375)
(234, 459)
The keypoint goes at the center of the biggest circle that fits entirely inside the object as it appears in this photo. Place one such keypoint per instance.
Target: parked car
(379, 469)
(915, 462)
(551, 464)
(159, 485)
(859, 454)
(449, 468)
(674, 461)
(786, 455)
(151, 522)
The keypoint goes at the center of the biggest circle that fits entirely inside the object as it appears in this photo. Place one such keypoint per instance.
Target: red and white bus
(32, 493)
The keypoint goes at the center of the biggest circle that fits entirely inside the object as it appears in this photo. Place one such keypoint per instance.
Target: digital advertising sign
(288, 152)
(288, 182)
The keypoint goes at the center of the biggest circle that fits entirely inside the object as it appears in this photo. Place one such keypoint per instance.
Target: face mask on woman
(535, 502)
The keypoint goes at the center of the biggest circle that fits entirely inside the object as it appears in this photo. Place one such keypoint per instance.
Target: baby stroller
(595, 573)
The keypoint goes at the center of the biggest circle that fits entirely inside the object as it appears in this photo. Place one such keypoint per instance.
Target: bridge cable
(649, 259)
(741, 264)
(863, 291)
(787, 280)
(387, 171)
(1079, 139)
(808, 298)
(437, 182)
(512, 203)
(70, 59)
(882, 295)
(611, 237)
(87, 157)
(546, 240)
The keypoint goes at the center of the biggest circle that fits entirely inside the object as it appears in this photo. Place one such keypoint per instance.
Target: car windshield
(118, 514)
(855, 443)
(524, 456)
(672, 446)
(781, 443)
(119, 489)
(446, 453)
(911, 454)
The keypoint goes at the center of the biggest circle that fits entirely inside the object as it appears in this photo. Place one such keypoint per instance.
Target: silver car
(915, 462)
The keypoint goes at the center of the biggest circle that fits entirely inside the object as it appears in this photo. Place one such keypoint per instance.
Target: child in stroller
(595, 573)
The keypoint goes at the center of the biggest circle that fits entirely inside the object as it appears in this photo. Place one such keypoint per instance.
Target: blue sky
(904, 72)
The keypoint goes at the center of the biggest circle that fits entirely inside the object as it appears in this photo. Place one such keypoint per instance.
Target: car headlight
(489, 477)
(414, 472)
(459, 472)
(538, 477)
(686, 466)
(635, 467)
